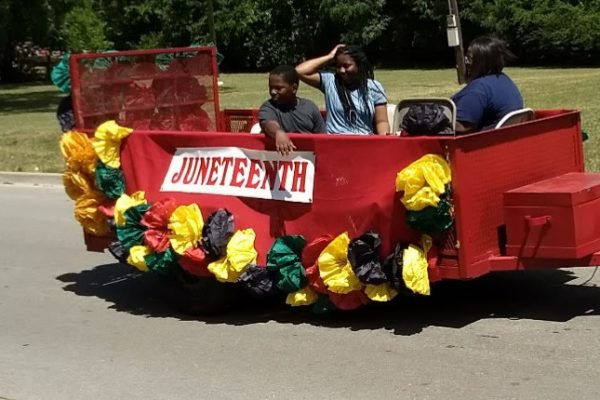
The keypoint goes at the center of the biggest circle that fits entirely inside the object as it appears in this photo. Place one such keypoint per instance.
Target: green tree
(415, 34)
(357, 21)
(263, 33)
(22, 21)
(83, 30)
(547, 31)
(279, 32)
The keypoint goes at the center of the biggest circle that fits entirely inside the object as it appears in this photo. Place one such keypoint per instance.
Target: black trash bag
(216, 233)
(118, 251)
(426, 119)
(257, 281)
(392, 265)
(64, 114)
(363, 254)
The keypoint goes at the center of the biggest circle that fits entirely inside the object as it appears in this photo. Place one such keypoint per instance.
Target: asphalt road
(75, 325)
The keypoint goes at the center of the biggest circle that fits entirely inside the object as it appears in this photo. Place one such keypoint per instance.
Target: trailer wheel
(193, 295)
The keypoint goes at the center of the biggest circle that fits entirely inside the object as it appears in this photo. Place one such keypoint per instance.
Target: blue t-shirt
(485, 100)
(337, 121)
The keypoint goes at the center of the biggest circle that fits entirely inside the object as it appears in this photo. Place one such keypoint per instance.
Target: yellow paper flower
(302, 297)
(425, 197)
(383, 292)
(423, 181)
(107, 142)
(136, 257)
(78, 152)
(76, 184)
(240, 253)
(414, 267)
(88, 215)
(186, 225)
(334, 267)
(124, 202)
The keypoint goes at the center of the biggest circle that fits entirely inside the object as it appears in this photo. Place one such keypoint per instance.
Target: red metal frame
(96, 243)
(485, 165)
(241, 120)
(238, 120)
(79, 108)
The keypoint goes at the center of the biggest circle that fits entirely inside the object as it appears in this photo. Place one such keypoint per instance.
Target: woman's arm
(464, 127)
(382, 126)
(309, 69)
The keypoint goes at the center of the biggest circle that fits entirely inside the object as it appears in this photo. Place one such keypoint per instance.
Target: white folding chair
(402, 109)
(391, 112)
(256, 128)
(516, 117)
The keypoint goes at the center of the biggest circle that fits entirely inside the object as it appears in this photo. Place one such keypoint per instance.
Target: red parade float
(519, 194)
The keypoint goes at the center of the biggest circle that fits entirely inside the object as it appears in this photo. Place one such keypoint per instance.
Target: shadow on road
(537, 295)
(127, 290)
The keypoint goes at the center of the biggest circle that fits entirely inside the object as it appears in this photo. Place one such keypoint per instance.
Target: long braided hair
(365, 72)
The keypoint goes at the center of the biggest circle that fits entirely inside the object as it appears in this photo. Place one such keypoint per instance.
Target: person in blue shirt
(490, 94)
(355, 102)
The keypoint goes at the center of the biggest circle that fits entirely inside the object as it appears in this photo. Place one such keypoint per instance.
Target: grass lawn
(29, 131)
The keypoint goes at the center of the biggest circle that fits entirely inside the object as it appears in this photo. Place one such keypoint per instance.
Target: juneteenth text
(276, 175)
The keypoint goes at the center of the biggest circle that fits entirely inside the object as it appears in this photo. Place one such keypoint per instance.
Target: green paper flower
(284, 260)
(110, 180)
(132, 233)
(162, 263)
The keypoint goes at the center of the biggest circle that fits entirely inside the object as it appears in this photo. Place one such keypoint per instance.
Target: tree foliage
(261, 33)
(543, 30)
(360, 22)
(82, 30)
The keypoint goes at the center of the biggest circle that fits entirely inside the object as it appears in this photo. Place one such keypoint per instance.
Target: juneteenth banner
(242, 172)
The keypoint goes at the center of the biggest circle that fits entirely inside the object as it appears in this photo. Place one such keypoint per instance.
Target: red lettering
(299, 178)
(213, 174)
(178, 175)
(189, 175)
(253, 172)
(284, 166)
(238, 169)
(202, 170)
(227, 161)
(270, 174)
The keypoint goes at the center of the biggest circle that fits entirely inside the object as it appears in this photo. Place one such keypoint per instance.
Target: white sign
(241, 172)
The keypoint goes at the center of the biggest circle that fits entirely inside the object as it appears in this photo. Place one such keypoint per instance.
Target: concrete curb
(30, 178)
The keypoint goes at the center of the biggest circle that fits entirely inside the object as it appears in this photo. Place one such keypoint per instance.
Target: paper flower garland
(328, 273)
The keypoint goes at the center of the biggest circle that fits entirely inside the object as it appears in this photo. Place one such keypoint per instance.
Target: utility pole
(211, 22)
(455, 39)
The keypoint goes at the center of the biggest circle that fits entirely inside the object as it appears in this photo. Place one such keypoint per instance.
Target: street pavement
(75, 325)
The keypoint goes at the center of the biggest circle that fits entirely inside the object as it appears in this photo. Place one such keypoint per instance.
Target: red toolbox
(554, 218)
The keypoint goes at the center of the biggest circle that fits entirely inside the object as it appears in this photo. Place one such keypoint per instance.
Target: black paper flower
(217, 231)
(363, 254)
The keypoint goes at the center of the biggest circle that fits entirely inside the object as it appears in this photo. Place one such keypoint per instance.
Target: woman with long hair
(354, 100)
(490, 94)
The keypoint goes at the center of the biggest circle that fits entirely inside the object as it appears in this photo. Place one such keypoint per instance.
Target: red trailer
(520, 197)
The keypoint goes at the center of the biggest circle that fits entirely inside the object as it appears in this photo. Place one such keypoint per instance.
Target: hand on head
(335, 49)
